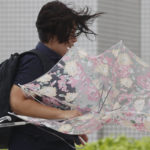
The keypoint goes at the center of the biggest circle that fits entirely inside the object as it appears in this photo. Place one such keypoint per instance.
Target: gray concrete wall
(122, 21)
(145, 30)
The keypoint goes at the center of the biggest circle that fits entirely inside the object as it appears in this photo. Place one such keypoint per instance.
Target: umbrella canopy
(112, 87)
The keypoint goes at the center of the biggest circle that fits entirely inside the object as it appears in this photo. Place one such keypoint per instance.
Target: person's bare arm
(29, 107)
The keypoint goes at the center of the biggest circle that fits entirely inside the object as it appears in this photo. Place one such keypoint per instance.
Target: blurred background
(127, 20)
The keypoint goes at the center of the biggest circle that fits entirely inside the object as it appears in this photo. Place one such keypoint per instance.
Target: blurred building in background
(127, 20)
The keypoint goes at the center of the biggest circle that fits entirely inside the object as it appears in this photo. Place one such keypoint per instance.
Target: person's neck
(54, 46)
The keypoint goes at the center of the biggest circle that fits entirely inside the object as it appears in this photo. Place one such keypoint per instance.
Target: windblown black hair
(55, 19)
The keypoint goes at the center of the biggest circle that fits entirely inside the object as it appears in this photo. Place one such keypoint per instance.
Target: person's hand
(68, 114)
(83, 139)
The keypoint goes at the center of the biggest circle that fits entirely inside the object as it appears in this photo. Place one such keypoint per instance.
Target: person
(58, 27)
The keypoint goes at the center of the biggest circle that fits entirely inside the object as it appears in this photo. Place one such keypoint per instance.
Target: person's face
(62, 48)
(65, 46)
(71, 41)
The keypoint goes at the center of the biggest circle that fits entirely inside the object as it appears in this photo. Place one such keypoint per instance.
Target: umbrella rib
(104, 100)
(13, 124)
(100, 98)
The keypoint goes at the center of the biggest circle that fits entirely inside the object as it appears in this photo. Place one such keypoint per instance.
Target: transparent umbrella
(112, 87)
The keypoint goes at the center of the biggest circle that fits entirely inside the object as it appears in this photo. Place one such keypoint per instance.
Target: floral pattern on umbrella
(111, 87)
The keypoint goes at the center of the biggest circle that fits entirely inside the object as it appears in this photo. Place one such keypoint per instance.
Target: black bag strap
(43, 58)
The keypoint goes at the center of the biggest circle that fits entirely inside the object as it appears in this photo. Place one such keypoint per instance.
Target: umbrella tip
(121, 45)
(121, 42)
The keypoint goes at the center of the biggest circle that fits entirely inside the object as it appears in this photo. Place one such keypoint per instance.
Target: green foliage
(120, 143)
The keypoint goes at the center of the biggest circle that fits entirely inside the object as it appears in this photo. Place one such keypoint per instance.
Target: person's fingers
(68, 114)
(83, 139)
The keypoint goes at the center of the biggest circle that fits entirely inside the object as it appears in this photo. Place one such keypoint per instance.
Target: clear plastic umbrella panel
(113, 87)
